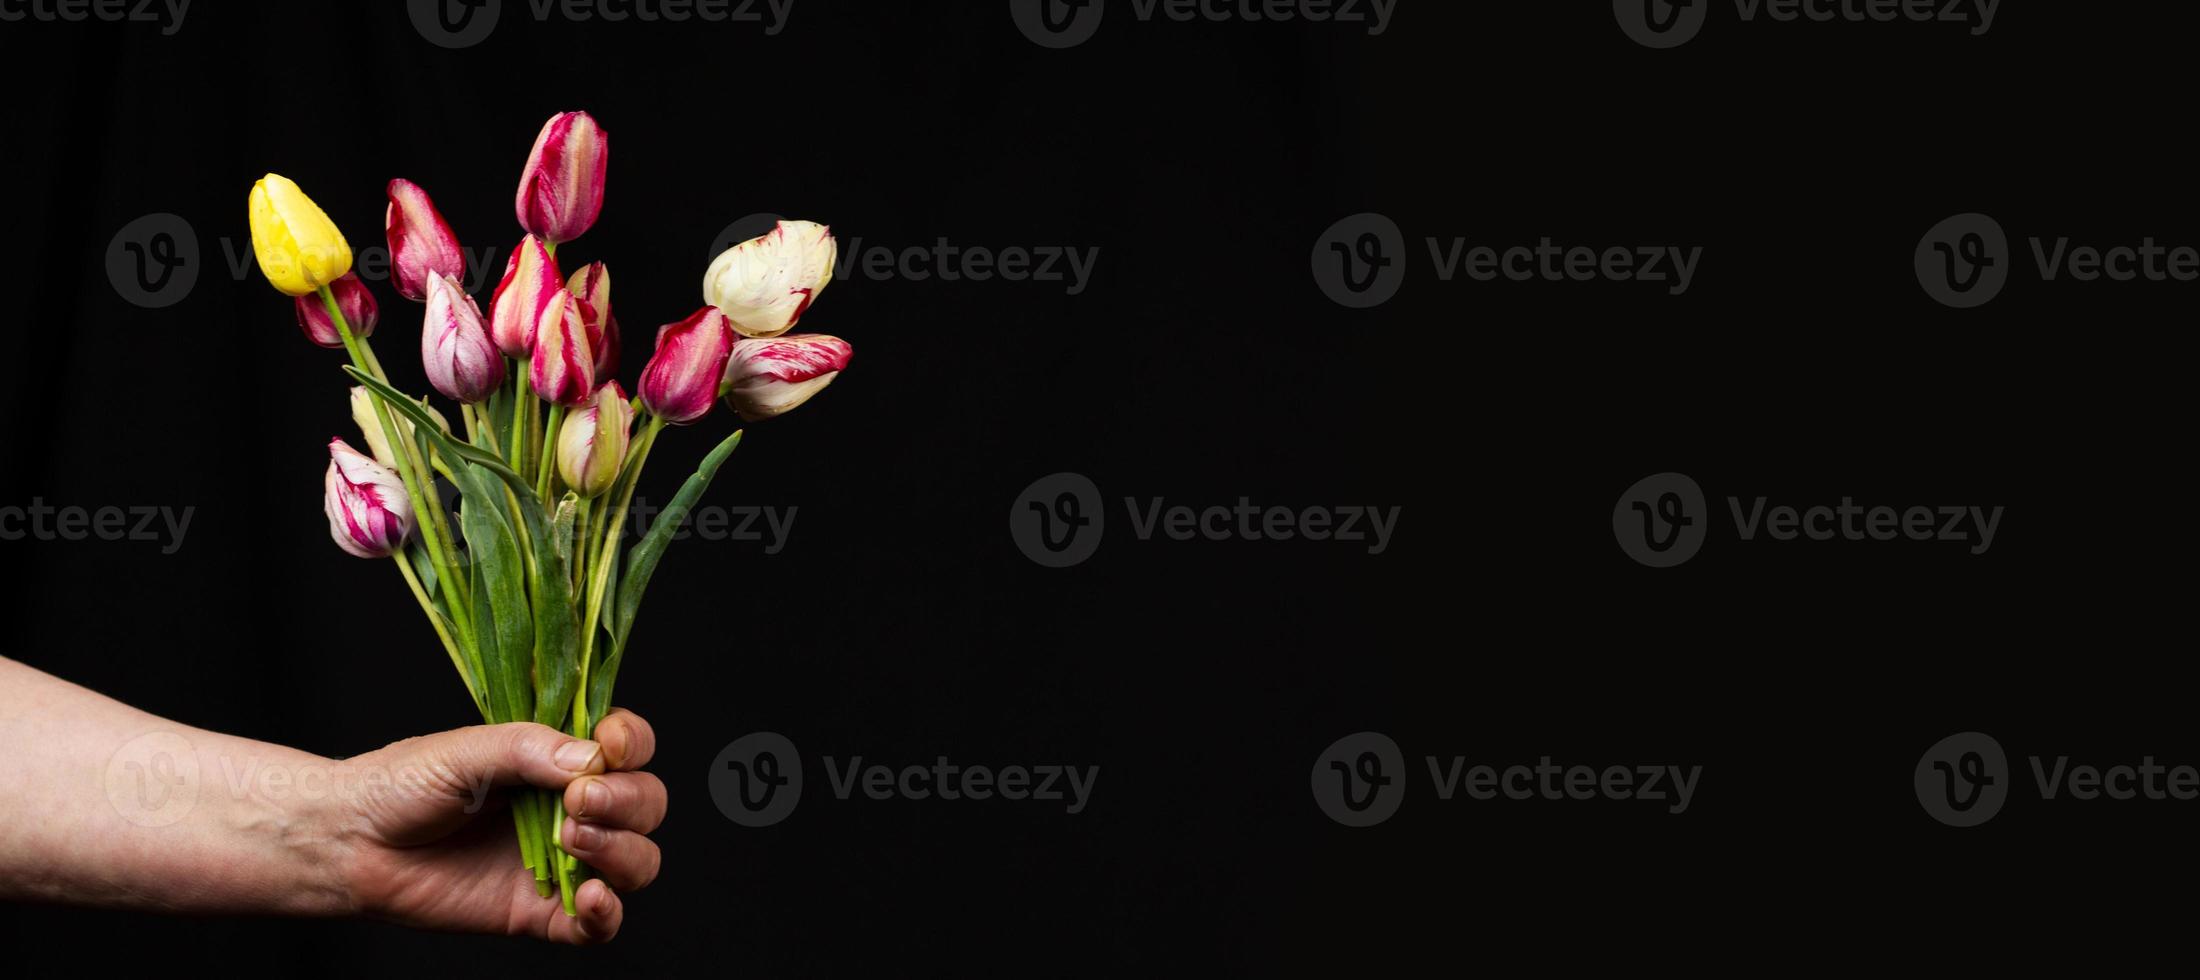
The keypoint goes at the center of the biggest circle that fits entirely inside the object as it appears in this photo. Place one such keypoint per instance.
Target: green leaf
(641, 563)
(557, 625)
(451, 449)
(500, 596)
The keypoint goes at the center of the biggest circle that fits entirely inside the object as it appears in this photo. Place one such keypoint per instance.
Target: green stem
(563, 860)
(550, 455)
(602, 567)
(435, 619)
(420, 501)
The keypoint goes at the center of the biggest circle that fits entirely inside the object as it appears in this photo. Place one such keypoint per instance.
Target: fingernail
(586, 837)
(578, 755)
(595, 798)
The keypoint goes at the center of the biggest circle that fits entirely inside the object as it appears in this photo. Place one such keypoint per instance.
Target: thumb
(510, 754)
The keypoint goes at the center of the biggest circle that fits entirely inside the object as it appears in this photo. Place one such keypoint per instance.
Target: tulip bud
(369, 514)
(352, 299)
(592, 445)
(764, 285)
(370, 424)
(592, 285)
(682, 378)
(530, 281)
(766, 378)
(421, 242)
(562, 371)
(298, 247)
(561, 191)
(462, 361)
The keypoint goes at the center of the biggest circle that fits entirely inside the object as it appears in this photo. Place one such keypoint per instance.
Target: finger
(622, 800)
(629, 861)
(596, 916)
(628, 741)
(506, 755)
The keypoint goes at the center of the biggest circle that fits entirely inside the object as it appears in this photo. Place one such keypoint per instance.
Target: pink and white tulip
(530, 282)
(682, 378)
(462, 361)
(357, 304)
(592, 284)
(369, 514)
(592, 445)
(422, 244)
(561, 191)
(562, 370)
(765, 285)
(768, 377)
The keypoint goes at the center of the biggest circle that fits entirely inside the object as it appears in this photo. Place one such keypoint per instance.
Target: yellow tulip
(299, 248)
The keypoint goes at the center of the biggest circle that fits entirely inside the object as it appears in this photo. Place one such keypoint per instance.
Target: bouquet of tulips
(524, 584)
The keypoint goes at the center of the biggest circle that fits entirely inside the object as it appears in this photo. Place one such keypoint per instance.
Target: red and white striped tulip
(462, 361)
(357, 304)
(369, 514)
(768, 377)
(530, 282)
(592, 445)
(682, 378)
(422, 244)
(562, 370)
(765, 285)
(561, 191)
(592, 283)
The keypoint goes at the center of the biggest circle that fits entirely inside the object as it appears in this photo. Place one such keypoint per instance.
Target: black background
(1202, 365)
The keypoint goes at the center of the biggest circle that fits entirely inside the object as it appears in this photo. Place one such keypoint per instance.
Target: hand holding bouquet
(524, 584)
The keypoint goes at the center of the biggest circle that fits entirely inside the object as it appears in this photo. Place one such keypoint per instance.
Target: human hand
(435, 849)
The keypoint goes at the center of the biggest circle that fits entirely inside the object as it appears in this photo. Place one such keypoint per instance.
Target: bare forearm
(103, 804)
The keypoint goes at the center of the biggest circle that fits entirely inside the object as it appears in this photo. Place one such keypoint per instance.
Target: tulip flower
(562, 370)
(352, 299)
(530, 281)
(369, 514)
(462, 361)
(764, 285)
(370, 425)
(682, 378)
(298, 247)
(561, 191)
(592, 285)
(771, 377)
(421, 242)
(592, 445)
